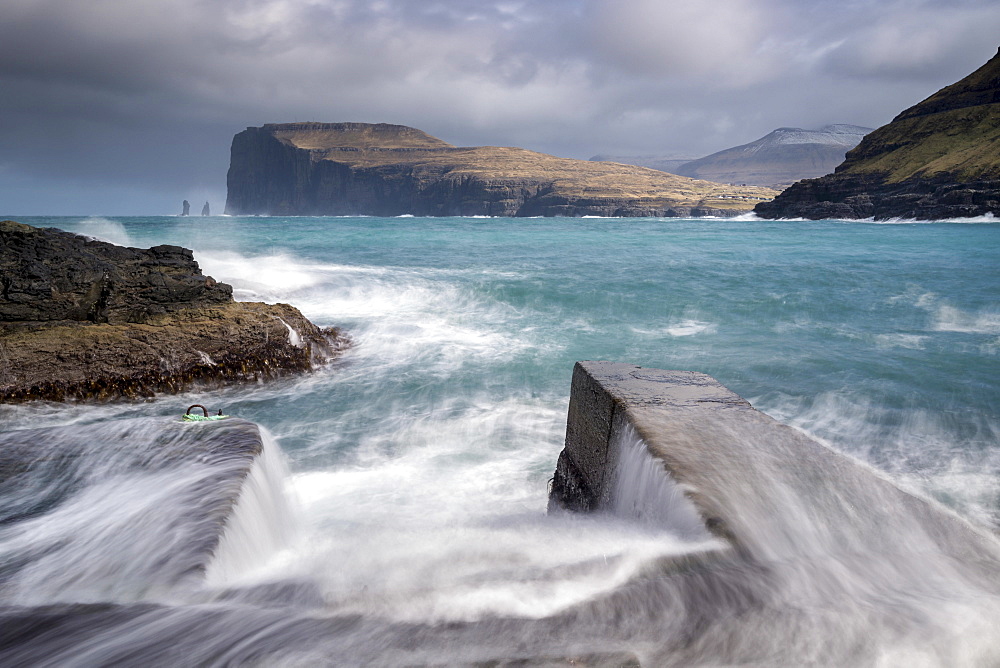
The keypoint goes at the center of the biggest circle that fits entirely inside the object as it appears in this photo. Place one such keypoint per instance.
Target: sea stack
(205, 210)
(323, 169)
(937, 159)
(185, 208)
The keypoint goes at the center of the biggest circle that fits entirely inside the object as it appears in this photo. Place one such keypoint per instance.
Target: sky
(127, 107)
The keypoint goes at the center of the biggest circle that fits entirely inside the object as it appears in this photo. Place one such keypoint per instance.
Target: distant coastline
(392, 170)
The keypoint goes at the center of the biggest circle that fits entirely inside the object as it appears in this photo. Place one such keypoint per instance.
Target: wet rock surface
(48, 274)
(83, 319)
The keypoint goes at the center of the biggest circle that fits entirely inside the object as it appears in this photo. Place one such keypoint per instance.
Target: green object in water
(203, 418)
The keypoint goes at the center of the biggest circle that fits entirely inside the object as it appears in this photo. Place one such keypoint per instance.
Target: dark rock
(869, 196)
(205, 211)
(185, 208)
(49, 275)
(84, 319)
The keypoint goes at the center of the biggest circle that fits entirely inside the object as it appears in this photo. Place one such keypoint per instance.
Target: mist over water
(406, 483)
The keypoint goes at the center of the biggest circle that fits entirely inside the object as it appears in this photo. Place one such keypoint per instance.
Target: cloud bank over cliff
(114, 107)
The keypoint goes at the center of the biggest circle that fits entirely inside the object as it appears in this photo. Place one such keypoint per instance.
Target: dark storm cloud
(102, 96)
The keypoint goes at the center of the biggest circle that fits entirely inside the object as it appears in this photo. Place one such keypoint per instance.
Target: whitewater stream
(398, 513)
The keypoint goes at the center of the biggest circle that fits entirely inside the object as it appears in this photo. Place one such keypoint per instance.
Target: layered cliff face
(82, 319)
(391, 170)
(938, 159)
(780, 157)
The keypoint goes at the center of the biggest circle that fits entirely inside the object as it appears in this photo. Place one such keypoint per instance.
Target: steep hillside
(937, 159)
(779, 158)
(389, 170)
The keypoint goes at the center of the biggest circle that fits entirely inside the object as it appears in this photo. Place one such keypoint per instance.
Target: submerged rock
(81, 318)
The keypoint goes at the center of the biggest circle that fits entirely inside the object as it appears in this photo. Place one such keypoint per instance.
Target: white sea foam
(260, 276)
(686, 327)
(900, 340)
(951, 319)
(986, 218)
(422, 460)
(948, 318)
(691, 327)
(917, 447)
(397, 314)
(438, 521)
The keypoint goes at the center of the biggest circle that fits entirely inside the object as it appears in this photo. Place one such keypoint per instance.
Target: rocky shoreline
(82, 319)
(869, 196)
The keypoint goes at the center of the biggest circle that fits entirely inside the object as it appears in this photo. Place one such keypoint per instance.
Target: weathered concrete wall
(767, 489)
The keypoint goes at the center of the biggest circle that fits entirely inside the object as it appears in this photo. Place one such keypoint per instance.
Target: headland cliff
(390, 170)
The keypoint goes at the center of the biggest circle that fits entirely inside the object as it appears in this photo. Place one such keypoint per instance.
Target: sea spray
(103, 229)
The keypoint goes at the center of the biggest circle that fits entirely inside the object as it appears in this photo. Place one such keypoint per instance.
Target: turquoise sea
(417, 465)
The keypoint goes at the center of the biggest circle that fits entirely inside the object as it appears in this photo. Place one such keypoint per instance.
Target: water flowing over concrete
(140, 542)
(119, 510)
(822, 560)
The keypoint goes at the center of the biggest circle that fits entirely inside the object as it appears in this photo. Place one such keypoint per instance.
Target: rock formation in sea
(81, 318)
(779, 158)
(937, 159)
(185, 208)
(205, 211)
(391, 170)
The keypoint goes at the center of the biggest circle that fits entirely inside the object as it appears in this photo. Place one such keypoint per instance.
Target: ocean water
(412, 473)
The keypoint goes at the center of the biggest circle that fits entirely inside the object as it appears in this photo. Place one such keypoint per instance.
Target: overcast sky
(122, 107)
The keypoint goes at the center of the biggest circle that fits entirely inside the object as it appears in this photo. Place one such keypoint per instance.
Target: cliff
(937, 159)
(391, 170)
(780, 157)
(81, 318)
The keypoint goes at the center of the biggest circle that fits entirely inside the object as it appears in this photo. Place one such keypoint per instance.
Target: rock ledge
(85, 319)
